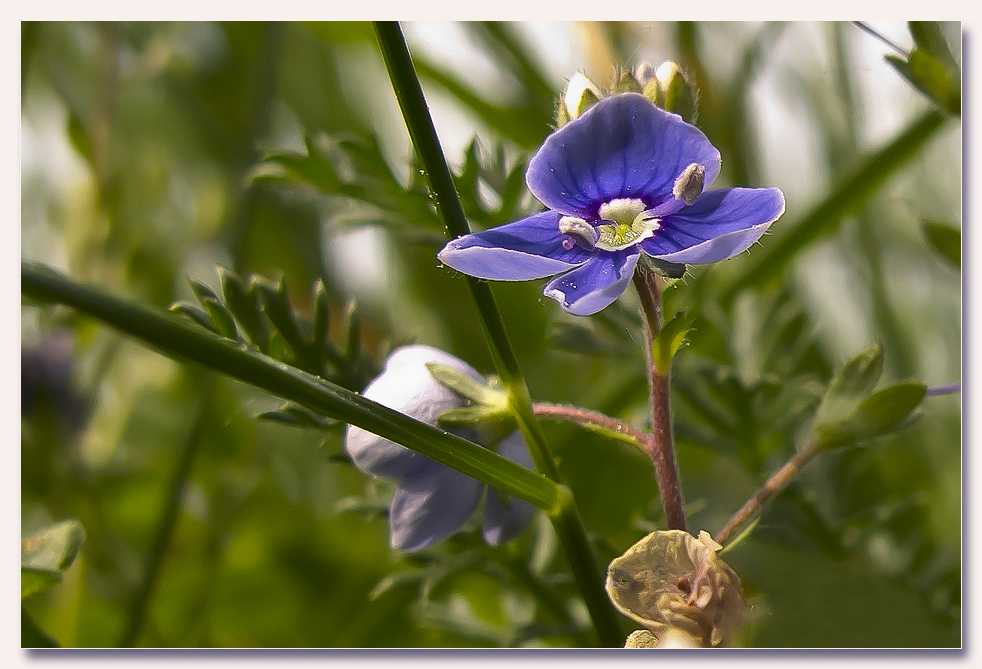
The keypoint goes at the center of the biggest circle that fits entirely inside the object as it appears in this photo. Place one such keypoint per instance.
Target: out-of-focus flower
(432, 501)
(623, 178)
(46, 383)
(677, 587)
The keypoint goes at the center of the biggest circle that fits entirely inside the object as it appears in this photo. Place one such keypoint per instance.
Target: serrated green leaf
(946, 239)
(220, 316)
(465, 386)
(244, 306)
(45, 555)
(201, 290)
(876, 415)
(312, 168)
(851, 385)
(195, 313)
(276, 306)
(177, 338)
(669, 341)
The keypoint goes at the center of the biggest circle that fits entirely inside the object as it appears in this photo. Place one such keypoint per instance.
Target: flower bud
(669, 88)
(681, 95)
(627, 84)
(675, 585)
(580, 95)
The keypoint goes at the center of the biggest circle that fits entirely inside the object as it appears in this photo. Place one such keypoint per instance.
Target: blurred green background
(155, 152)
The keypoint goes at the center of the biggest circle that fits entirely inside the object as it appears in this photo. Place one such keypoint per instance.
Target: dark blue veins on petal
(623, 146)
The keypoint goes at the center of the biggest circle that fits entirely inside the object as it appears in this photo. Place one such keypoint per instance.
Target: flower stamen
(579, 231)
(626, 222)
(690, 184)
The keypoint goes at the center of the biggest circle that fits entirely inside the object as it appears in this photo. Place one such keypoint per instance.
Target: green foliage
(45, 555)
(154, 153)
(873, 416)
(946, 238)
(372, 181)
(270, 325)
(669, 341)
(850, 411)
(467, 387)
(931, 67)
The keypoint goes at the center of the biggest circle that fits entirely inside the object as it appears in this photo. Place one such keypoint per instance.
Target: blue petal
(431, 506)
(527, 249)
(721, 224)
(594, 285)
(506, 517)
(406, 386)
(622, 147)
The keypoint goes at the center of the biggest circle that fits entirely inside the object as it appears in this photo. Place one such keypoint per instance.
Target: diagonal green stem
(851, 192)
(569, 526)
(768, 491)
(179, 338)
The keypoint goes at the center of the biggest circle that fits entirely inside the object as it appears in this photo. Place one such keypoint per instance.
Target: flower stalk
(768, 491)
(593, 420)
(659, 445)
(566, 519)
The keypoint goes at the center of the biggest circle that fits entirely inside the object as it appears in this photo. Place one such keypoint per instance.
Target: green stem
(177, 337)
(569, 526)
(168, 521)
(848, 195)
(660, 445)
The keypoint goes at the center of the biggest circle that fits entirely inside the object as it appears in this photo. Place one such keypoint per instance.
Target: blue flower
(624, 178)
(432, 501)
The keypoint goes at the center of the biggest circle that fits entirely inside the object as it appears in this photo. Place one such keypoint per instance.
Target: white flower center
(625, 223)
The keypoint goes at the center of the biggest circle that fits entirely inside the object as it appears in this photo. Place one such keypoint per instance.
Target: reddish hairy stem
(659, 446)
(590, 419)
(774, 485)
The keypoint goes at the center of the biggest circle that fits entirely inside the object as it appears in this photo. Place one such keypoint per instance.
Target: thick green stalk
(569, 526)
(851, 192)
(177, 337)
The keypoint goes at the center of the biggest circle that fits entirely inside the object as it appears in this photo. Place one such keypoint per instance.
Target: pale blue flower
(432, 501)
